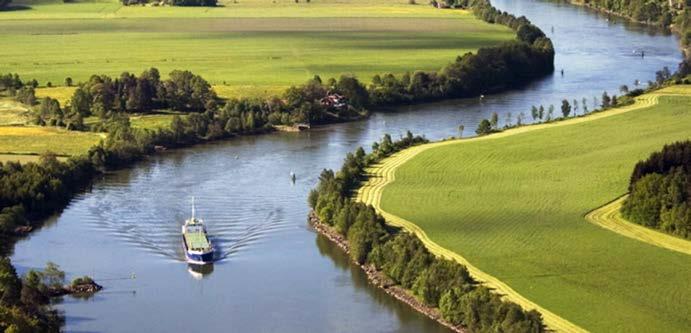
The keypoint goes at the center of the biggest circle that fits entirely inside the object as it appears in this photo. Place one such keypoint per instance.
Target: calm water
(275, 273)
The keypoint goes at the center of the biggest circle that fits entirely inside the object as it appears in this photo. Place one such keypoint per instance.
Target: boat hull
(200, 259)
(195, 257)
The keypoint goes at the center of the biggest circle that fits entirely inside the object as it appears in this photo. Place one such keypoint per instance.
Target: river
(276, 274)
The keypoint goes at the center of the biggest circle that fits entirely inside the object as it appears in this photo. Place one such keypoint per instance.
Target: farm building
(334, 101)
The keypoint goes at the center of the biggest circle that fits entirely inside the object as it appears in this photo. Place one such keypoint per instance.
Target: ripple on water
(143, 223)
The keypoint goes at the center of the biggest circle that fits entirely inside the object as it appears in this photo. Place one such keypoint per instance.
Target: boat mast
(192, 208)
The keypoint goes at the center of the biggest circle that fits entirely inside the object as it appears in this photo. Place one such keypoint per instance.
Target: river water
(275, 273)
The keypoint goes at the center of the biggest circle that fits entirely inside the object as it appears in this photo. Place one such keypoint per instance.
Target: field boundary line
(609, 217)
(383, 173)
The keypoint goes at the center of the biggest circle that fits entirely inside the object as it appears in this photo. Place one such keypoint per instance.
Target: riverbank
(435, 280)
(378, 279)
(589, 5)
(677, 27)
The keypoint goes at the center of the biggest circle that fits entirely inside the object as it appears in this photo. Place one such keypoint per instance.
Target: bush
(484, 128)
(11, 218)
(82, 280)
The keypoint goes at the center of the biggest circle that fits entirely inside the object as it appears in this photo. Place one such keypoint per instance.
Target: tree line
(33, 190)
(568, 108)
(403, 258)
(25, 301)
(488, 70)
(660, 191)
(659, 12)
(107, 98)
(102, 95)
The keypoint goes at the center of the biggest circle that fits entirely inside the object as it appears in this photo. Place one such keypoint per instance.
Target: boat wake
(158, 232)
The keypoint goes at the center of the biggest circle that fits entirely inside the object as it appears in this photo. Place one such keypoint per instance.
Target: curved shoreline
(383, 174)
(609, 217)
(378, 279)
(686, 50)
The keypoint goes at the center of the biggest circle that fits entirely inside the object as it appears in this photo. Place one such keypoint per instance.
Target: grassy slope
(514, 206)
(255, 45)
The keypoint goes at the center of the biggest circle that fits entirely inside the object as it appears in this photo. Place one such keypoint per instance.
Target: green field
(513, 205)
(152, 121)
(253, 47)
(62, 94)
(30, 140)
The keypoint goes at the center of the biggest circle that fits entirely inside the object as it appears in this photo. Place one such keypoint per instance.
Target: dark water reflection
(271, 275)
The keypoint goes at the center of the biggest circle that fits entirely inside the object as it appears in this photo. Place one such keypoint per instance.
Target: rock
(84, 288)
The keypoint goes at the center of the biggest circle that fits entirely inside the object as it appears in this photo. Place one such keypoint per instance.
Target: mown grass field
(12, 112)
(609, 216)
(30, 140)
(254, 47)
(152, 121)
(514, 206)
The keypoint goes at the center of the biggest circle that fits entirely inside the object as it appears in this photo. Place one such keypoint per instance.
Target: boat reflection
(199, 272)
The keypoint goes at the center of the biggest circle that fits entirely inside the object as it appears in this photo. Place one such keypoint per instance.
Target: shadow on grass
(15, 8)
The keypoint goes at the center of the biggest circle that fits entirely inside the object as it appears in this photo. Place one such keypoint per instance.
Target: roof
(196, 240)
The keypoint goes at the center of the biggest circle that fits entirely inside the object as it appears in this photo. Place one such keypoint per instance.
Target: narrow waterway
(275, 273)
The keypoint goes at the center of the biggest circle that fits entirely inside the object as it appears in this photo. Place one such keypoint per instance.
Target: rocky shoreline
(379, 279)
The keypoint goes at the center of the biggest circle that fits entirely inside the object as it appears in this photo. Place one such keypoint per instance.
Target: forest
(657, 12)
(402, 257)
(660, 191)
(25, 301)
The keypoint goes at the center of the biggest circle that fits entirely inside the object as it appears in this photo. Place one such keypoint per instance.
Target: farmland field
(513, 205)
(28, 140)
(152, 121)
(258, 46)
(12, 112)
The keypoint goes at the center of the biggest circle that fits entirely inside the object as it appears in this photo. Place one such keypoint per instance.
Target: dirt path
(609, 217)
(384, 173)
